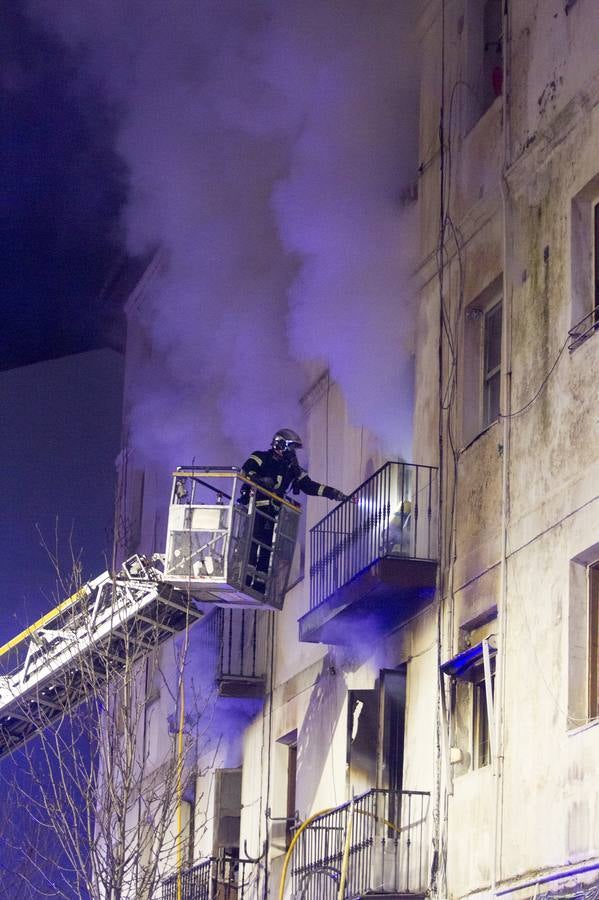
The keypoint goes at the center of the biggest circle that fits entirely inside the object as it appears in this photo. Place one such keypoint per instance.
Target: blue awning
(460, 666)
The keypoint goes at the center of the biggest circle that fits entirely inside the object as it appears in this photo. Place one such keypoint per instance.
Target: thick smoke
(267, 145)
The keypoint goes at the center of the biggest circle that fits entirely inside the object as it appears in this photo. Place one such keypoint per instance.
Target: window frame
(491, 374)
(481, 729)
(584, 264)
(592, 595)
(484, 55)
(477, 376)
(468, 667)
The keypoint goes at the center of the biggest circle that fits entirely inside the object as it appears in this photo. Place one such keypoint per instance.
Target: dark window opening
(492, 83)
(362, 738)
(393, 710)
(376, 723)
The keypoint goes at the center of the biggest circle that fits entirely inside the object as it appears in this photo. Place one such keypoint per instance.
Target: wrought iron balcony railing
(243, 650)
(384, 836)
(235, 642)
(392, 515)
(584, 329)
(191, 884)
(217, 878)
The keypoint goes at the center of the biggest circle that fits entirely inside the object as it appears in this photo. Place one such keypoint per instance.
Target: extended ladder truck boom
(213, 556)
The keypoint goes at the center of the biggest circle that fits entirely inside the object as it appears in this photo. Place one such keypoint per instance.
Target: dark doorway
(393, 716)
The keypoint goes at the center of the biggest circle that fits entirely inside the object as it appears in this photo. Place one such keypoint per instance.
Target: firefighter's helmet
(286, 439)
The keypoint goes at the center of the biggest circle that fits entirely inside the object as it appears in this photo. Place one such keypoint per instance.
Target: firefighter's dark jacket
(279, 474)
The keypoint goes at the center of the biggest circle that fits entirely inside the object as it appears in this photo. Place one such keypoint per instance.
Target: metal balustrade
(391, 515)
(584, 329)
(217, 878)
(190, 884)
(385, 835)
(243, 643)
(229, 541)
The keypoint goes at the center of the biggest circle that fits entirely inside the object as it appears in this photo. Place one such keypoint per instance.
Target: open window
(473, 676)
(375, 733)
(289, 741)
(484, 57)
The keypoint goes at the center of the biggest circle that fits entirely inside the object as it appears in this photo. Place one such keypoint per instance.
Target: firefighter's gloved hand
(340, 497)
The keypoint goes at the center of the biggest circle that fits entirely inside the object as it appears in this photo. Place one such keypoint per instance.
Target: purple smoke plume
(267, 145)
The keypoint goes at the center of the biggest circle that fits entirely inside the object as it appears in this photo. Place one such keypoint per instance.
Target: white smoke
(267, 144)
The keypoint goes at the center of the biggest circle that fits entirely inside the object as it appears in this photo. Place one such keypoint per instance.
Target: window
(492, 364)
(482, 361)
(375, 733)
(362, 739)
(593, 654)
(471, 719)
(492, 69)
(291, 792)
(481, 741)
(288, 762)
(227, 810)
(583, 638)
(484, 58)
(585, 263)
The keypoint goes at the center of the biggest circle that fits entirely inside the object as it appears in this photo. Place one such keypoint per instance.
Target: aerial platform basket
(229, 541)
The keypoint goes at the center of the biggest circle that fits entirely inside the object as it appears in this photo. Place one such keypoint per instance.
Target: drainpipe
(496, 838)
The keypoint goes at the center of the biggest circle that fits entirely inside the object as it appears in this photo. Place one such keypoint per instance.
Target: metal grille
(584, 329)
(243, 643)
(394, 515)
(195, 883)
(386, 837)
(222, 878)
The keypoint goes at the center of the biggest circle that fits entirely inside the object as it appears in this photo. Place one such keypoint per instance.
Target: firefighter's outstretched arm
(305, 484)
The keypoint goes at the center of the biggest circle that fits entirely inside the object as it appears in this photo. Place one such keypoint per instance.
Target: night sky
(62, 189)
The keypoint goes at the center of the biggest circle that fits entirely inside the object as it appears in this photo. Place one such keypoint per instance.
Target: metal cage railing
(243, 643)
(228, 539)
(190, 884)
(584, 329)
(225, 877)
(392, 514)
(385, 836)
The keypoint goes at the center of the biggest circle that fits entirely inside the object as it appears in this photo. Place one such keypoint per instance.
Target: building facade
(429, 691)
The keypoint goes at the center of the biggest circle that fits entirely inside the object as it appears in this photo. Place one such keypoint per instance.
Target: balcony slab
(240, 686)
(375, 601)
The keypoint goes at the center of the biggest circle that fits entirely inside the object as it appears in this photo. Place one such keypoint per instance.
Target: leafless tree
(102, 750)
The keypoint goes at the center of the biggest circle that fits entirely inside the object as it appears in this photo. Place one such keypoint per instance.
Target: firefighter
(277, 470)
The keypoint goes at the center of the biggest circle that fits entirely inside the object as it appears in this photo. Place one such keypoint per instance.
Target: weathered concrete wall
(547, 815)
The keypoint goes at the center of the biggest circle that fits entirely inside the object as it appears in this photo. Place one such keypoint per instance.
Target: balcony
(217, 878)
(384, 836)
(243, 641)
(584, 329)
(374, 560)
(235, 643)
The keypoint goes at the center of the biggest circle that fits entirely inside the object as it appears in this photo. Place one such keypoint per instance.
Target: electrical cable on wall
(543, 384)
